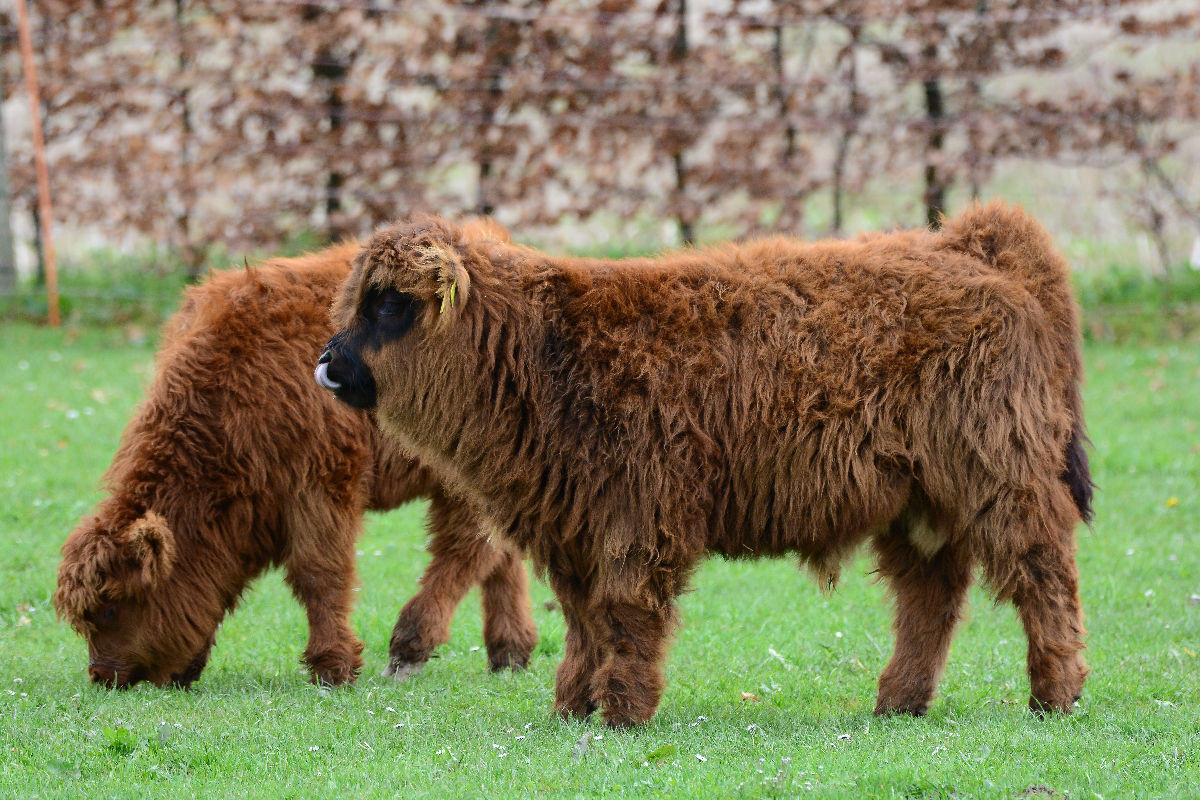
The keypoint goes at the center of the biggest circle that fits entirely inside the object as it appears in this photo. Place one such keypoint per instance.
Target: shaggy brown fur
(236, 462)
(617, 420)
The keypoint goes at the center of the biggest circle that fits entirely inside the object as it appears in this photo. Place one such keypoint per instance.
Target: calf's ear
(86, 558)
(150, 550)
(442, 267)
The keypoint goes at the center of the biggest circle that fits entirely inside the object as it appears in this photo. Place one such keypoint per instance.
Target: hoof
(888, 709)
(408, 651)
(399, 672)
(622, 721)
(333, 669)
(334, 678)
(575, 711)
(1042, 708)
(1059, 698)
(512, 658)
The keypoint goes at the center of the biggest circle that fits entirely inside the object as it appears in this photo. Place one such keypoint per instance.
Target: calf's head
(115, 588)
(398, 317)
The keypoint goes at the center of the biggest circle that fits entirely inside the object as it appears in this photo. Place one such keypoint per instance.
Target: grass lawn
(252, 726)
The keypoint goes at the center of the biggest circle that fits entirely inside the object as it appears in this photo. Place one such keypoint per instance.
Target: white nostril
(321, 374)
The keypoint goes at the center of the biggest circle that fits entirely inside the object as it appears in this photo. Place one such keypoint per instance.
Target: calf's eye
(103, 617)
(394, 304)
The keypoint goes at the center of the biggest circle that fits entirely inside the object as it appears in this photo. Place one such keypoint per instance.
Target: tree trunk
(848, 130)
(935, 189)
(193, 254)
(500, 43)
(679, 54)
(332, 70)
(791, 212)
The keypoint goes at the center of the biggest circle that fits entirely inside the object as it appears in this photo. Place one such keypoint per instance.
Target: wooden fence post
(45, 212)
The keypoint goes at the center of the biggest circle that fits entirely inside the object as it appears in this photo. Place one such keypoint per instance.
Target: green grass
(1128, 304)
(252, 726)
(106, 287)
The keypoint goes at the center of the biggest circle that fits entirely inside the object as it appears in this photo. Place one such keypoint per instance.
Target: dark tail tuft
(1077, 476)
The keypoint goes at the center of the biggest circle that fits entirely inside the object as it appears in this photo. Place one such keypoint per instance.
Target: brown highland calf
(236, 462)
(618, 420)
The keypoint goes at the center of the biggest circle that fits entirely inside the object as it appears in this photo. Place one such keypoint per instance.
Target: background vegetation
(214, 123)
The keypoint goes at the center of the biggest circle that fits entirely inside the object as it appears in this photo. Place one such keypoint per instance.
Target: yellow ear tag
(448, 297)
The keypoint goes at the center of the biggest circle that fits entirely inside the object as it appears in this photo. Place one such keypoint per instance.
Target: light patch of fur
(927, 539)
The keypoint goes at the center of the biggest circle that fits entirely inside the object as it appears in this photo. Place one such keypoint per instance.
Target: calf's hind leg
(1035, 568)
(462, 557)
(929, 588)
(508, 629)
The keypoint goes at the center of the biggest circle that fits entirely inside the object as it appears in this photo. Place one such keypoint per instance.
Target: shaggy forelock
(426, 257)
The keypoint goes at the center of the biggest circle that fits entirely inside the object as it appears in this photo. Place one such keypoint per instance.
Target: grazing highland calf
(236, 462)
(619, 419)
